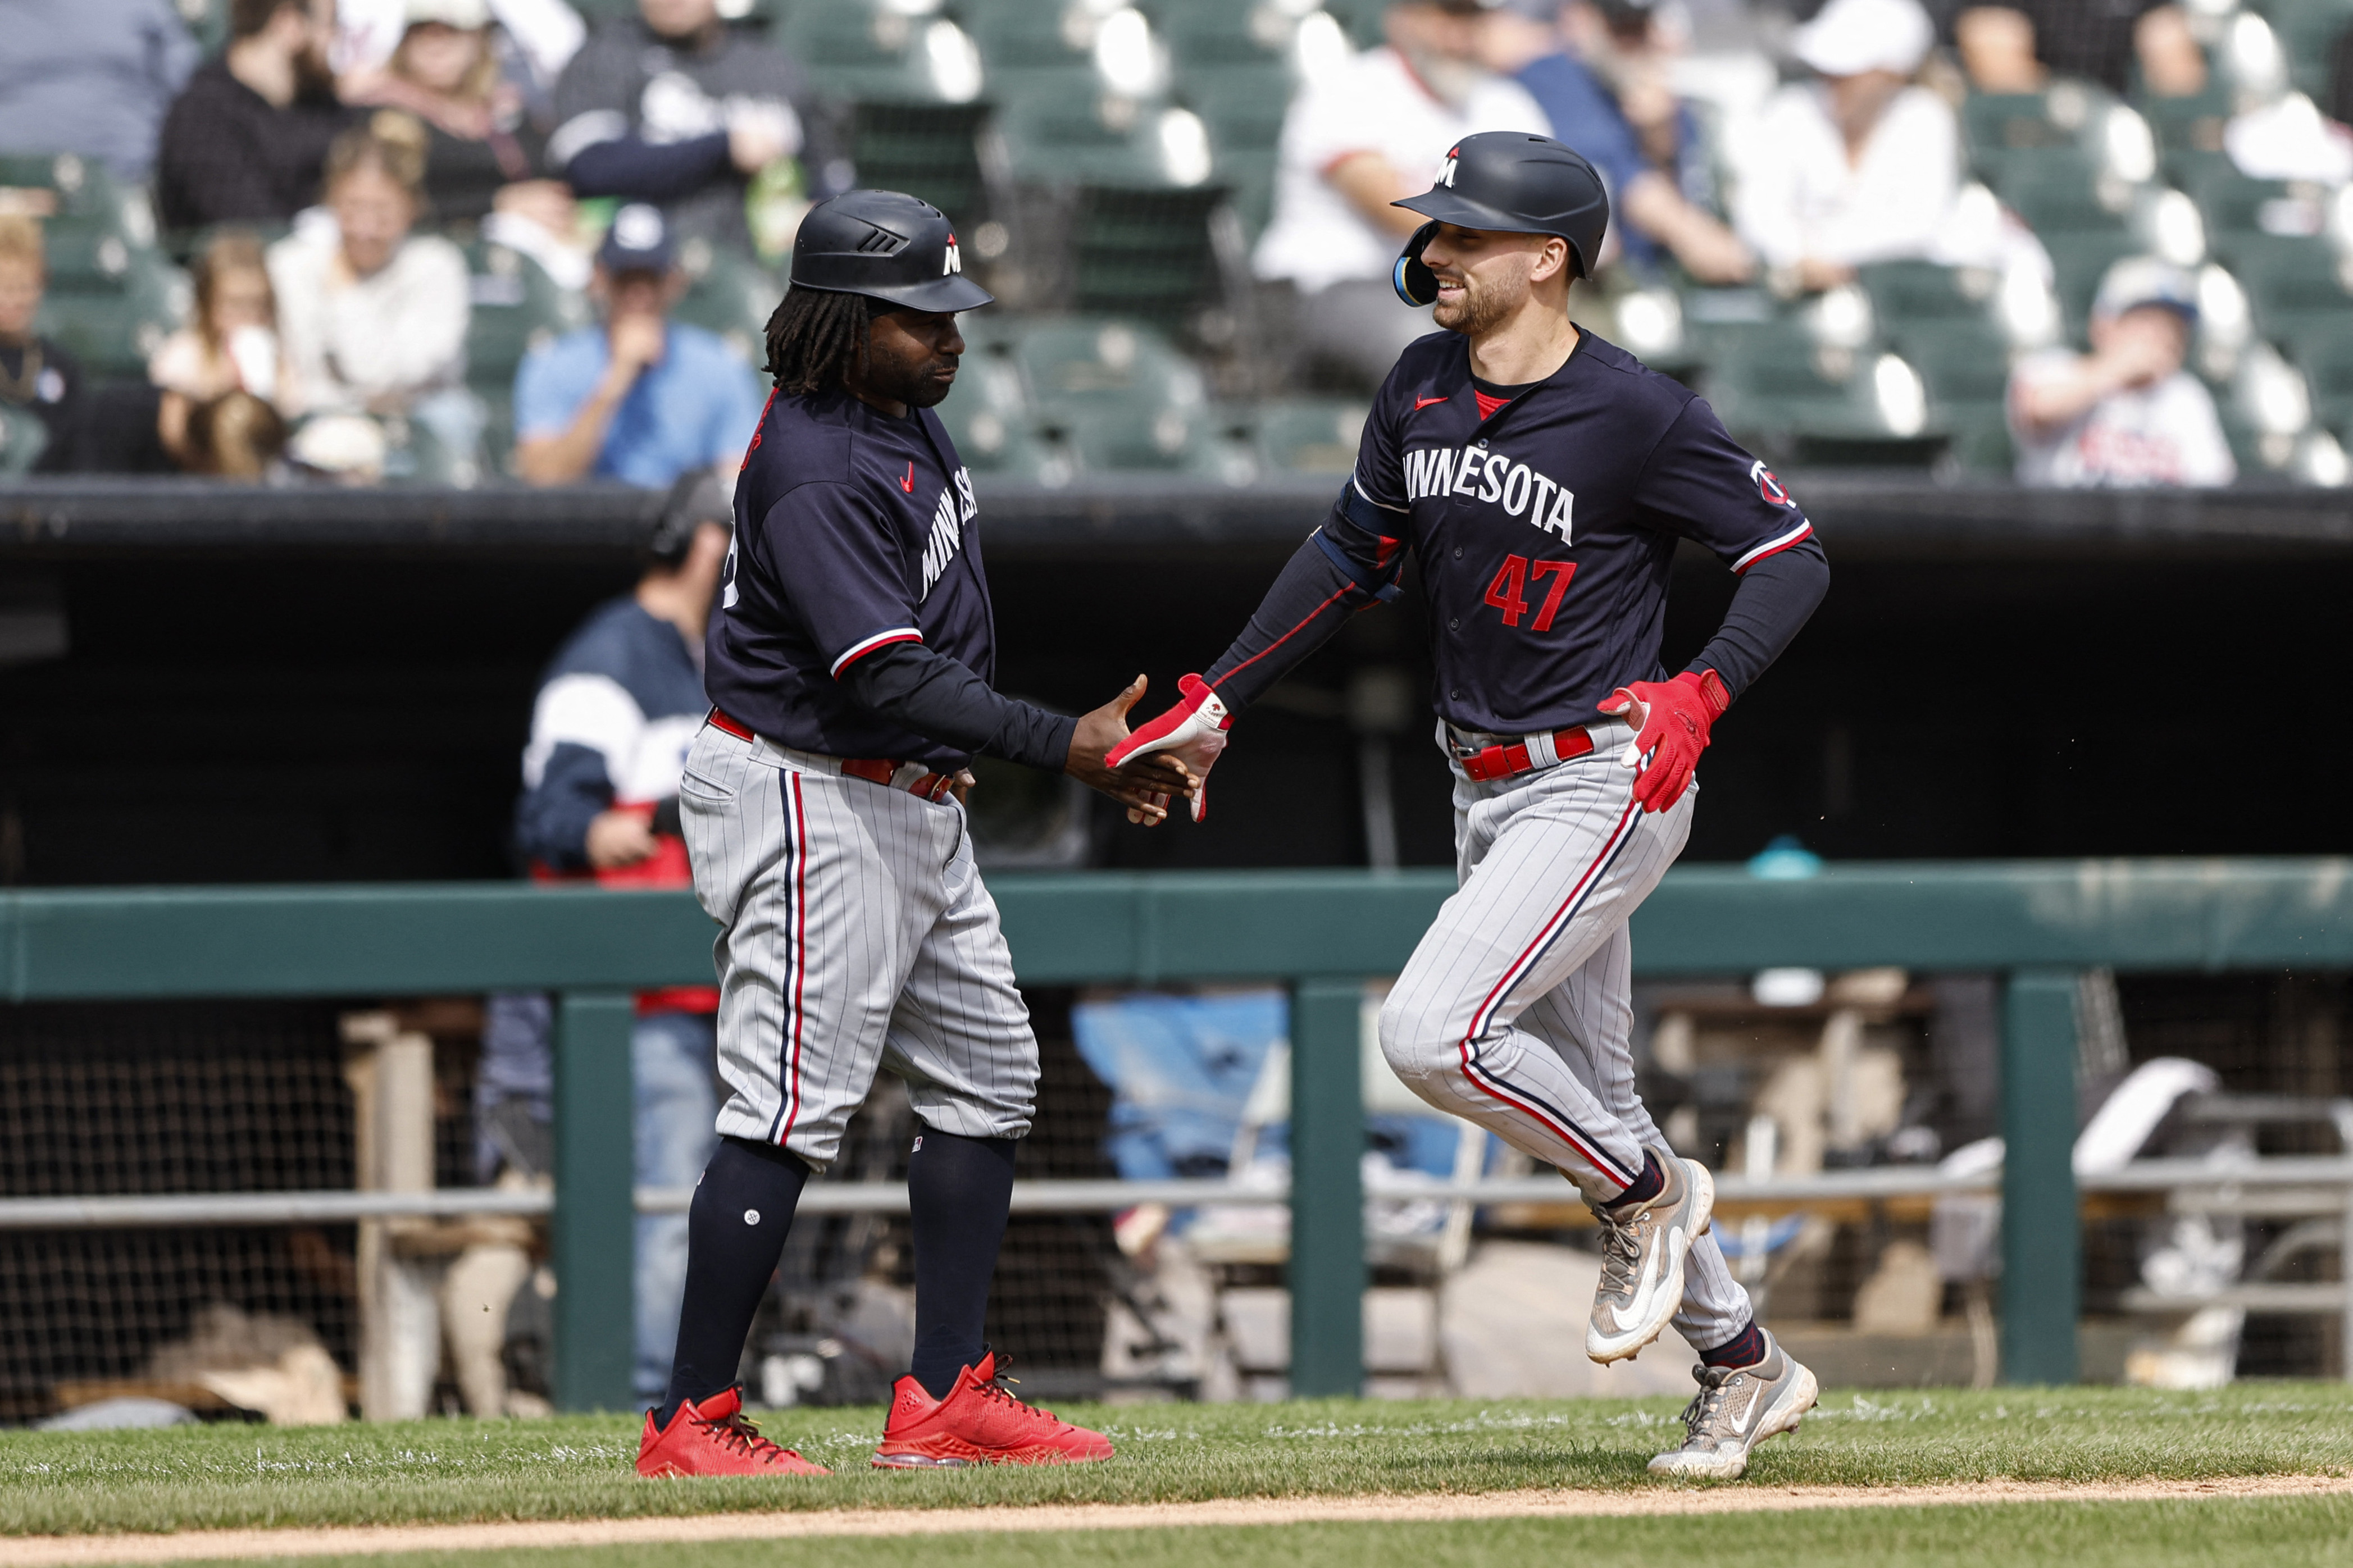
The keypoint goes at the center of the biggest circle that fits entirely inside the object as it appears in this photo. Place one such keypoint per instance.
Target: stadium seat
(858, 50)
(1213, 32)
(1927, 291)
(23, 438)
(1362, 19)
(1112, 436)
(1073, 131)
(2325, 354)
(2233, 202)
(114, 329)
(516, 306)
(1028, 51)
(1145, 252)
(730, 294)
(1308, 435)
(1819, 403)
(1999, 127)
(1243, 105)
(1964, 362)
(928, 150)
(2058, 190)
(2078, 262)
(1069, 364)
(2294, 284)
(2308, 31)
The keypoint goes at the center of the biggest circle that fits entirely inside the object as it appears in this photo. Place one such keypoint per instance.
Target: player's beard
(1483, 302)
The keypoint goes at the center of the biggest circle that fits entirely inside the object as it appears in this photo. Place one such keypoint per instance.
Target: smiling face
(373, 211)
(911, 356)
(440, 58)
(1485, 275)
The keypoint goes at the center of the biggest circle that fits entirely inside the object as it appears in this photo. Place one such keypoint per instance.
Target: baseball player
(1540, 478)
(848, 664)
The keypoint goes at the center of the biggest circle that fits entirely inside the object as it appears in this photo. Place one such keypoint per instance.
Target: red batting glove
(1195, 730)
(1673, 717)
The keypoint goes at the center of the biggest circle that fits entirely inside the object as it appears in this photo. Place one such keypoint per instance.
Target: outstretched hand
(1145, 789)
(1193, 731)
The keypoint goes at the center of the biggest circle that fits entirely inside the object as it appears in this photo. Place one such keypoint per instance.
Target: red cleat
(980, 1423)
(714, 1439)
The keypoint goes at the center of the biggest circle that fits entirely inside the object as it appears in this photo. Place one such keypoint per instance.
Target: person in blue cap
(641, 398)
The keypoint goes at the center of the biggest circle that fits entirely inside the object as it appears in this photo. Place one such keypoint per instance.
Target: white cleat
(1642, 1254)
(1736, 1409)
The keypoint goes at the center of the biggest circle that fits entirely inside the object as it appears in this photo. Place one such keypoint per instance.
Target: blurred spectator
(1359, 138)
(235, 436)
(617, 709)
(35, 374)
(1608, 95)
(679, 110)
(2126, 413)
(1859, 165)
(93, 77)
(539, 38)
(374, 318)
(246, 140)
(2018, 46)
(641, 398)
(481, 150)
(232, 344)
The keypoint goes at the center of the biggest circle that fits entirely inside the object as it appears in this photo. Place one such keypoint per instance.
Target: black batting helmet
(887, 246)
(1511, 182)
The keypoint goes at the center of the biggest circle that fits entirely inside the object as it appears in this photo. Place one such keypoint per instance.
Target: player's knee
(1414, 1042)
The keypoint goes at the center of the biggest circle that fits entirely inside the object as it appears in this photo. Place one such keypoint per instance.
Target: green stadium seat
(1926, 291)
(2056, 190)
(1998, 128)
(114, 329)
(2308, 31)
(855, 49)
(2078, 262)
(730, 294)
(928, 150)
(516, 306)
(1962, 360)
(2233, 202)
(90, 255)
(1110, 436)
(2325, 354)
(23, 438)
(1362, 19)
(1308, 435)
(1075, 363)
(1243, 105)
(1212, 32)
(1028, 52)
(2295, 284)
(1071, 131)
(1978, 437)
(2190, 124)
(1813, 404)
(1145, 252)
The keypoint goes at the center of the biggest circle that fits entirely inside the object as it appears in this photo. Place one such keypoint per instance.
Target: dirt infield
(59, 1551)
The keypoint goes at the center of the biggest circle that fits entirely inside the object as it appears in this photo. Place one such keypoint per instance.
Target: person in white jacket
(1859, 165)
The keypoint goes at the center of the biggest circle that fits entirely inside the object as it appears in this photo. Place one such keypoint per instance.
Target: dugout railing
(2038, 924)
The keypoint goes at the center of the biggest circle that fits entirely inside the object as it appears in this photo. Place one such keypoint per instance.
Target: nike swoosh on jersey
(1421, 402)
(908, 484)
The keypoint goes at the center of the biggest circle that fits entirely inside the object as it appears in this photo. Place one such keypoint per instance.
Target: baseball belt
(888, 771)
(1509, 759)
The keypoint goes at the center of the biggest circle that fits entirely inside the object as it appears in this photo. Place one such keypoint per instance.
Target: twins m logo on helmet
(1494, 478)
(1445, 176)
(954, 260)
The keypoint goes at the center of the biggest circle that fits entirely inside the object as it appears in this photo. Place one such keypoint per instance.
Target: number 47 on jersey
(1516, 576)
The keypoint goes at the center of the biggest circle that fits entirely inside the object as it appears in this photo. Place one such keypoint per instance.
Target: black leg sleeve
(958, 1190)
(741, 1212)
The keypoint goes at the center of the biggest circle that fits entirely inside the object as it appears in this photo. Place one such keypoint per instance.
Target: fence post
(595, 1227)
(2041, 1227)
(1327, 1200)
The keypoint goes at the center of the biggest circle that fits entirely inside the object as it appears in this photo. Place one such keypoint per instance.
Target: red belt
(884, 771)
(1523, 756)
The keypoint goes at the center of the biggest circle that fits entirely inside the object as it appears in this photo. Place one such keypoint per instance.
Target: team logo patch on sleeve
(1767, 486)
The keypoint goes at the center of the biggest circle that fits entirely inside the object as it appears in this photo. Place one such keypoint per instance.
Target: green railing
(1321, 932)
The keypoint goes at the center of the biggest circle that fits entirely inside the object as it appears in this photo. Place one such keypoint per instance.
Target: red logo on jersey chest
(908, 484)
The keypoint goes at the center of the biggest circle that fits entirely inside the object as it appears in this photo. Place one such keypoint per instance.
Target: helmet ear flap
(1415, 283)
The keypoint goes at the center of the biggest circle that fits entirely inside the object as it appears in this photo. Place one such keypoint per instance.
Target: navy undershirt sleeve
(646, 171)
(940, 699)
(1775, 597)
(1344, 566)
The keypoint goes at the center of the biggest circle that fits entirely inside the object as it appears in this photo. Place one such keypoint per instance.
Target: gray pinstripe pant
(1516, 1009)
(857, 937)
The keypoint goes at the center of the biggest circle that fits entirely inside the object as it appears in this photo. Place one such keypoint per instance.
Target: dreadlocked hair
(814, 335)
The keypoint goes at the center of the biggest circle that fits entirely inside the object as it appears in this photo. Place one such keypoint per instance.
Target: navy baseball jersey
(1545, 525)
(854, 530)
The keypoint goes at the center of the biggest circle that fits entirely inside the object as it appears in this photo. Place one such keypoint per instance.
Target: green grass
(190, 1477)
(2271, 1533)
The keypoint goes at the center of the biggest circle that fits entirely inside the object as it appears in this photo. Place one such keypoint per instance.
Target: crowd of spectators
(322, 175)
